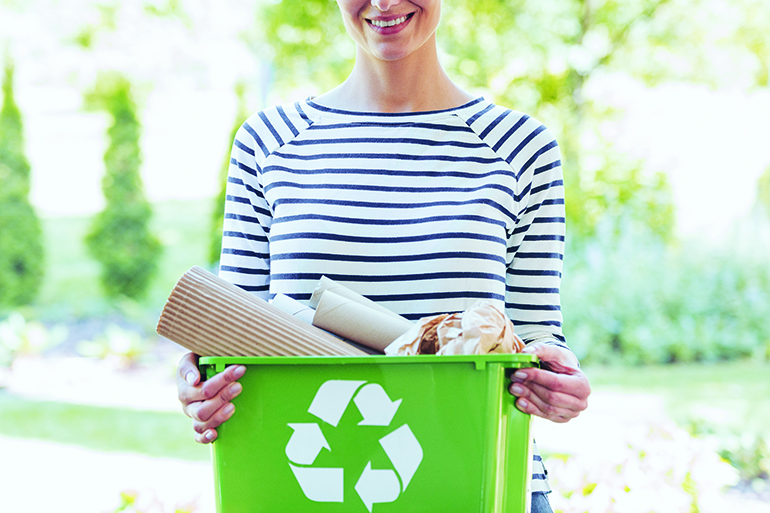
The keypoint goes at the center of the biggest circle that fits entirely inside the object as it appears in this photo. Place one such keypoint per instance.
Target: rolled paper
(293, 307)
(358, 321)
(212, 317)
(328, 284)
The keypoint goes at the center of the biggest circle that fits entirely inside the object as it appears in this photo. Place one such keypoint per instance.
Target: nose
(385, 5)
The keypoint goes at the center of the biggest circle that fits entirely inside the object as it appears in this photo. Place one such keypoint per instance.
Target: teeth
(391, 23)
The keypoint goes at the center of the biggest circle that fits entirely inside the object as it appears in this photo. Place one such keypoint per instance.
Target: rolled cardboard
(358, 321)
(213, 317)
(327, 284)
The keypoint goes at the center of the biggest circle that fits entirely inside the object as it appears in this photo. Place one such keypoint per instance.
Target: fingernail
(209, 435)
(229, 409)
(190, 377)
(239, 371)
(523, 403)
(235, 389)
(517, 390)
(520, 375)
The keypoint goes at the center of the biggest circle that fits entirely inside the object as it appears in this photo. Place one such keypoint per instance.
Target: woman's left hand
(557, 391)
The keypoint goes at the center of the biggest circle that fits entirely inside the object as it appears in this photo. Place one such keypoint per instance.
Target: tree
(21, 244)
(119, 237)
(540, 57)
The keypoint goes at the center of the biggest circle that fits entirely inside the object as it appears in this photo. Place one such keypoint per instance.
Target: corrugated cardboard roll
(358, 322)
(212, 317)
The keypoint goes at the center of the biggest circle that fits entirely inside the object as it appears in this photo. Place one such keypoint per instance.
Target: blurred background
(115, 128)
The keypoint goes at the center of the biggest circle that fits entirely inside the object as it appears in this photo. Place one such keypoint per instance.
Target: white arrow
(377, 486)
(305, 443)
(320, 484)
(404, 452)
(375, 406)
(332, 399)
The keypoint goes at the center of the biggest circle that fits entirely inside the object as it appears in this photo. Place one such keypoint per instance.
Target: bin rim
(480, 360)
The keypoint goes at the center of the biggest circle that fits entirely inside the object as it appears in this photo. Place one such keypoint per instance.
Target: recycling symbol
(376, 408)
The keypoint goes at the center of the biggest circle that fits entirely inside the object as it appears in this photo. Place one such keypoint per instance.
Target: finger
(552, 405)
(575, 384)
(210, 388)
(202, 411)
(187, 370)
(215, 420)
(545, 411)
(206, 437)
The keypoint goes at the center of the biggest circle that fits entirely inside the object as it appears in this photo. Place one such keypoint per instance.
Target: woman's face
(390, 29)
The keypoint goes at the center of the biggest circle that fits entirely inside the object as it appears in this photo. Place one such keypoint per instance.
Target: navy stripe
(436, 295)
(257, 138)
(532, 272)
(357, 278)
(476, 116)
(334, 257)
(386, 156)
(238, 144)
(509, 133)
(540, 255)
(390, 172)
(545, 187)
(386, 188)
(288, 122)
(271, 128)
(242, 218)
(245, 253)
(363, 124)
(391, 114)
(302, 114)
(388, 222)
(524, 143)
(386, 240)
(377, 140)
(244, 270)
(529, 307)
(244, 167)
(532, 290)
(534, 157)
(247, 236)
(547, 167)
(493, 124)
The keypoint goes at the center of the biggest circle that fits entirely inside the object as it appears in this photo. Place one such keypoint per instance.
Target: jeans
(540, 503)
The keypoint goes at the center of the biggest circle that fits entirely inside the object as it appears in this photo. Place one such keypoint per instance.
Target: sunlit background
(661, 108)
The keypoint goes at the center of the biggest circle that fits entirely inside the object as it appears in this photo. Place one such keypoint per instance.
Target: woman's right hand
(207, 403)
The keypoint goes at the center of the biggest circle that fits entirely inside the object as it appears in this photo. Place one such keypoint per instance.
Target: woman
(412, 192)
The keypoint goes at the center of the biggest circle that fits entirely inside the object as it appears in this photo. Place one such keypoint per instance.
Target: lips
(389, 24)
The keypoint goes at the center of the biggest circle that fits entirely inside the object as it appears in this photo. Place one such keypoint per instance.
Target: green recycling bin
(376, 433)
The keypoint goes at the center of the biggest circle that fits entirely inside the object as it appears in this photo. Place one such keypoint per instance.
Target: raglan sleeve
(536, 245)
(245, 258)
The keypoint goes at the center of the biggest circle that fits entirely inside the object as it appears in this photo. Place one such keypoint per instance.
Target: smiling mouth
(390, 23)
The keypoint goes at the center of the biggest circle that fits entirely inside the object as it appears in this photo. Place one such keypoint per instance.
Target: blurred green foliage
(529, 55)
(633, 299)
(21, 244)
(218, 217)
(120, 238)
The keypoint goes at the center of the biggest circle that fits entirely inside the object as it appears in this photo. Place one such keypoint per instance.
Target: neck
(414, 83)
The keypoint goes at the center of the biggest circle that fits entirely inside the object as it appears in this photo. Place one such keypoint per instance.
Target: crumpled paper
(481, 329)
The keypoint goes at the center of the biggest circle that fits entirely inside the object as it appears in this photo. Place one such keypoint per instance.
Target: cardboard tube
(358, 322)
(327, 284)
(213, 317)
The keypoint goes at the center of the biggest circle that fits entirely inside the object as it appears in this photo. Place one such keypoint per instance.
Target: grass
(724, 396)
(738, 391)
(156, 434)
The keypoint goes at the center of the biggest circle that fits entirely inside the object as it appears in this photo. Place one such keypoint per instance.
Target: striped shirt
(422, 212)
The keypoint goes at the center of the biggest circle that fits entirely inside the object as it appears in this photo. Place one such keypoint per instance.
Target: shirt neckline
(325, 111)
